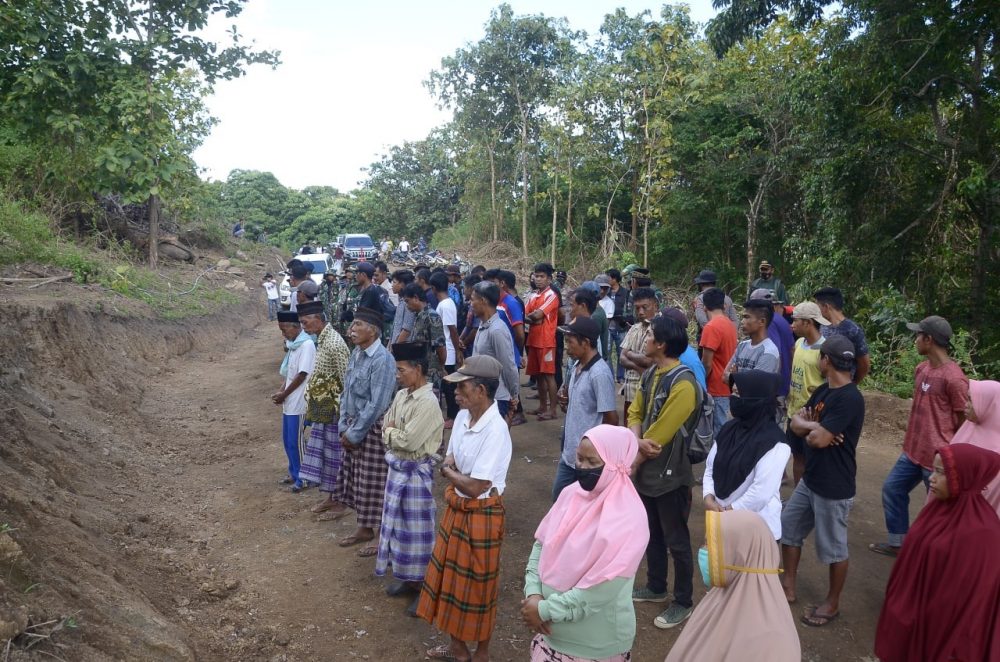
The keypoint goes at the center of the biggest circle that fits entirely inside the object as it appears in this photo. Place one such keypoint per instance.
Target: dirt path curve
(316, 601)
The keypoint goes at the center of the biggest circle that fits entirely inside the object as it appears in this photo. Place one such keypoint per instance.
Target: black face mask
(744, 407)
(588, 477)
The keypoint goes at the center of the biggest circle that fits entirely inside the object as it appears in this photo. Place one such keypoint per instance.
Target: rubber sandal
(884, 549)
(352, 540)
(368, 551)
(546, 417)
(443, 652)
(321, 507)
(333, 515)
(812, 619)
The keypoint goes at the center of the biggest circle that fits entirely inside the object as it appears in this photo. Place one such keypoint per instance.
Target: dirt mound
(85, 563)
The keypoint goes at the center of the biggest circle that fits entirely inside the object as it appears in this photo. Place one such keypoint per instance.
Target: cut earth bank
(138, 468)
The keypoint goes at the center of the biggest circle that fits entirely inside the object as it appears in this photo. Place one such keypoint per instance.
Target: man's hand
(278, 397)
(562, 397)
(649, 449)
(712, 504)
(346, 443)
(530, 616)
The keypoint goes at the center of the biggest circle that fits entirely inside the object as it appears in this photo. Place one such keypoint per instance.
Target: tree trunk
(569, 199)
(493, 195)
(524, 191)
(555, 204)
(154, 230)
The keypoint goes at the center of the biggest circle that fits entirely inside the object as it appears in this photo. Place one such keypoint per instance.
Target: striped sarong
(361, 480)
(460, 590)
(407, 535)
(323, 456)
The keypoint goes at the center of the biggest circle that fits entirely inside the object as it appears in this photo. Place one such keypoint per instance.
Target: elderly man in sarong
(324, 453)
(412, 434)
(368, 389)
(462, 583)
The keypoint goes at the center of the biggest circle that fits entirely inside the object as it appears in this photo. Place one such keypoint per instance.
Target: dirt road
(287, 577)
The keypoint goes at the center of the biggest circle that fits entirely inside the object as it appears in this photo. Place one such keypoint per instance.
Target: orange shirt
(719, 335)
(543, 334)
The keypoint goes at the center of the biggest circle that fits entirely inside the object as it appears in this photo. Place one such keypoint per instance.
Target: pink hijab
(985, 397)
(591, 537)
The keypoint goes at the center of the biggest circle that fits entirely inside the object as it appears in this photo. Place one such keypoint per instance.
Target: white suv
(321, 262)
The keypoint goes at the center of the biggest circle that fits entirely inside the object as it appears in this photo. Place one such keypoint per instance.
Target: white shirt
(482, 451)
(449, 317)
(271, 288)
(608, 304)
(300, 359)
(404, 246)
(761, 491)
(387, 286)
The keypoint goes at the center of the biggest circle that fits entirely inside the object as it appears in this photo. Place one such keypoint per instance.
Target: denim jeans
(902, 478)
(565, 476)
(721, 412)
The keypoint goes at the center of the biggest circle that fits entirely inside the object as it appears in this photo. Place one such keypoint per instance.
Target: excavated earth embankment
(90, 568)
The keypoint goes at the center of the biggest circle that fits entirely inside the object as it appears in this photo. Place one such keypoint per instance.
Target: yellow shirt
(806, 377)
(413, 424)
(675, 412)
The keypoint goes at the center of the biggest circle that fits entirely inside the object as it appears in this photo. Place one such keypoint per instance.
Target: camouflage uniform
(427, 327)
(350, 296)
(329, 294)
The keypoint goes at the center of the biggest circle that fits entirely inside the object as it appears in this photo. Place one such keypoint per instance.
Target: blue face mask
(703, 565)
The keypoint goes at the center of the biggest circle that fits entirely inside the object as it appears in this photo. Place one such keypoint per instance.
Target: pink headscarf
(985, 397)
(592, 537)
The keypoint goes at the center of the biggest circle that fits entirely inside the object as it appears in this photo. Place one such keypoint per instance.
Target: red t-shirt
(939, 395)
(719, 335)
(543, 334)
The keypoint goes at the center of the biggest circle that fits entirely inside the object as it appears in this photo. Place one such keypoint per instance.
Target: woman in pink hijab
(982, 428)
(578, 584)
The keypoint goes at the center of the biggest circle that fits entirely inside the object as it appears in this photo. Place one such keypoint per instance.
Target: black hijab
(750, 434)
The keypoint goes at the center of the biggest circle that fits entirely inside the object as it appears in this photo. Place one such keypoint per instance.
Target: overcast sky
(351, 80)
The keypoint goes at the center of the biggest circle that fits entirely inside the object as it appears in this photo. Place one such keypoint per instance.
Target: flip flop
(321, 507)
(884, 549)
(443, 652)
(814, 620)
(333, 516)
(352, 540)
(546, 417)
(368, 551)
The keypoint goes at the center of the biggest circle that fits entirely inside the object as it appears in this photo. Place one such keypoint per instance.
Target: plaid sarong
(407, 535)
(459, 595)
(361, 480)
(323, 456)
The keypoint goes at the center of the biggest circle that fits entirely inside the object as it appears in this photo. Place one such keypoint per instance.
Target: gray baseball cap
(935, 326)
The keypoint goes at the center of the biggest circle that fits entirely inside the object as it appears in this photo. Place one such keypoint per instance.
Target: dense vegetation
(858, 148)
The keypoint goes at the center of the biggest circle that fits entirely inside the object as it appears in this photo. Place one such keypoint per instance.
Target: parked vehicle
(321, 263)
(359, 248)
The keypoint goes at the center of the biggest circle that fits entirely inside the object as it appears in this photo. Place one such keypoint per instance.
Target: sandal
(812, 619)
(884, 549)
(443, 652)
(368, 550)
(322, 507)
(333, 515)
(352, 540)
(546, 417)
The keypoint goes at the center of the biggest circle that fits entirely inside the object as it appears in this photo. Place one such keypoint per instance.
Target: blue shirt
(512, 313)
(780, 333)
(690, 358)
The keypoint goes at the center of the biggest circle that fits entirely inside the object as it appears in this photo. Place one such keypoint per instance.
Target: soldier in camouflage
(329, 293)
(350, 296)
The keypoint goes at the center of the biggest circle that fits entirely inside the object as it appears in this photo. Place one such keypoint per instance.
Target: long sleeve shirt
(760, 491)
(368, 389)
(674, 413)
(589, 623)
(493, 339)
(413, 424)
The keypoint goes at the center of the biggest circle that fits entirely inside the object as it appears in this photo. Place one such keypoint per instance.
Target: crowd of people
(394, 380)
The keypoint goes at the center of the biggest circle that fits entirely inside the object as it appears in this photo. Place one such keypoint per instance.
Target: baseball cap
(584, 327)
(590, 285)
(935, 326)
(838, 346)
(705, 277)
(366, 268)
(476, 366)
(808, 310)
(765, 263)
(602, 280)
(308, 288)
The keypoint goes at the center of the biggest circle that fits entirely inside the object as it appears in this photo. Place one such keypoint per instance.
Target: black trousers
(668, 530)
(448, 388)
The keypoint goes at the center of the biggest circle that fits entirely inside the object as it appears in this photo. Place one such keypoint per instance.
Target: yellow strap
(756, 571)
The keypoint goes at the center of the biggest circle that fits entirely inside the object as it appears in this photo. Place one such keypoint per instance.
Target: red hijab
(943, 598)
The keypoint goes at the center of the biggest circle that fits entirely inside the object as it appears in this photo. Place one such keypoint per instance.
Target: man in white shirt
(461, 586)
(273, 297)
(449, 320)
(295, 369)
(604, 301)
(404, 246)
